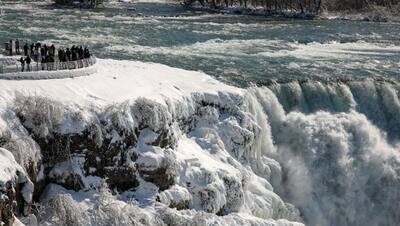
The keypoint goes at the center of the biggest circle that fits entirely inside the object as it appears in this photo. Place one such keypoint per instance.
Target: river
(239, 50)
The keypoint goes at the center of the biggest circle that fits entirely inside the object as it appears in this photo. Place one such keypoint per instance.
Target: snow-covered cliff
(146, 144)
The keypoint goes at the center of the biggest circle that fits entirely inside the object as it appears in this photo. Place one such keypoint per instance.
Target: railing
(53, 66)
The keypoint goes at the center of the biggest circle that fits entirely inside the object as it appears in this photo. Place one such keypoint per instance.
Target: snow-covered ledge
(113, 81)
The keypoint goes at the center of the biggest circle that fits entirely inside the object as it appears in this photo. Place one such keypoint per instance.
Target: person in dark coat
(59, 53)
(52, 60)
(48, 61)
(11, 50)
(17, 47)
(32, 46)
(22, 61)
(64, 55)
(43, 51)
(68, 54)
(43, 62)
(80, 52)
(86, 53)
(28, 63)
(60, 57)
(26, 49)
(74, 56)
(52, 51)
(46, 50)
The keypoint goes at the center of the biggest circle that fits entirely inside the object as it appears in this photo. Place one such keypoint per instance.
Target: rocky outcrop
(158, 167)
(8, 204)
(176, 197)
(134, 149)
(16, 189)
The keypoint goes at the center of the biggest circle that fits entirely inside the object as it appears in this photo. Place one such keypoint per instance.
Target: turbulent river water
(236, 49)
(323, 137)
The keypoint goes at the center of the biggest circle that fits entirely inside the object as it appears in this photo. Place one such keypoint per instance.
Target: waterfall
(336, 145)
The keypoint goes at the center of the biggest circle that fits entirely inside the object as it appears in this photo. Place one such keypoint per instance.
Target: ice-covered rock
(69, 173)
(176, 197)
(15, 138)
(155, 164)
(14, 182)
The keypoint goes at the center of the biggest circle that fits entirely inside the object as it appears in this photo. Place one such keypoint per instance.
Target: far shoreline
(366, 16)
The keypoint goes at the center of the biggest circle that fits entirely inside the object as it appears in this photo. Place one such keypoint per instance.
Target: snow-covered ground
(112, 81)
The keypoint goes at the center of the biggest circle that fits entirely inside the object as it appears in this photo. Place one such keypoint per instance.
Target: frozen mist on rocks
(134, 143)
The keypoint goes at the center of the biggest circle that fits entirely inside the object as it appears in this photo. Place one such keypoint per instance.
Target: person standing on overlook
(80, 52)
(61, 57)
(43, 51)
(43, 62)
(17, 52)
(74, 56)
(10, 50)
(38, 45)
(36, 54)
(28, 63)
(68, 53)
(31, 52)
(52, 51)
(26, 49)
(22, 61)
(86, 53)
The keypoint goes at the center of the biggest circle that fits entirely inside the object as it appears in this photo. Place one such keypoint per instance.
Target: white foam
(335, 50)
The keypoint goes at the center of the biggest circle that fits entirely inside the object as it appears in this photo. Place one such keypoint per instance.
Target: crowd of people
(47, 55)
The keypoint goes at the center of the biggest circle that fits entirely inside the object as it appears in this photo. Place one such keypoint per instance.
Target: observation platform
(45, 62)
(11, 69)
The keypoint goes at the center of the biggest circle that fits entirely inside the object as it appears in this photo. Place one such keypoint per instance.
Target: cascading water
(336, 145)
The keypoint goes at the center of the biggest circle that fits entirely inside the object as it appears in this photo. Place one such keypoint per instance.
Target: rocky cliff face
(135, 149)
